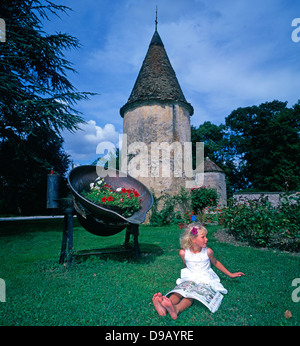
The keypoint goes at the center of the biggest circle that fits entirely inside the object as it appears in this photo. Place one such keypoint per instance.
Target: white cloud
(226, 54)
(82, 144)
(233, 54)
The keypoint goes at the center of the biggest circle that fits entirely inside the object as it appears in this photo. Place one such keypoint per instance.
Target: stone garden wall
(272, 196)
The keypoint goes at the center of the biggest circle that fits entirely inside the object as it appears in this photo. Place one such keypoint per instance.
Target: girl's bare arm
(220, 266)
(182, 254)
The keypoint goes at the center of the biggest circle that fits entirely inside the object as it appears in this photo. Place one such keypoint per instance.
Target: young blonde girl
(197, 259)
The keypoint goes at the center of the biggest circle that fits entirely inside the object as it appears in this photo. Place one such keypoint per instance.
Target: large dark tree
(37, 101)
(214, 140)
(24, 176)
(266, 142)
(259, 147)
(217, 147)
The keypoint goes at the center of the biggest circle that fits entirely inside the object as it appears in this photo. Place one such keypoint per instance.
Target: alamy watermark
(2, 291)
(295, 293)
(296, 32)
(2, 30)
(157, 159)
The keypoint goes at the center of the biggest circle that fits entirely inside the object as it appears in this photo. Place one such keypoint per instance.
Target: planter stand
(67, 241)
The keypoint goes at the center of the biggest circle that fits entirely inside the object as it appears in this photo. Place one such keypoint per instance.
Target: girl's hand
(235, 275)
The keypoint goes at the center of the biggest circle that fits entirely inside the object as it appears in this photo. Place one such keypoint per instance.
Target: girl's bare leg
(170, 307)
(183, 304)
(175, 309)
(175, 298)
(157, 302)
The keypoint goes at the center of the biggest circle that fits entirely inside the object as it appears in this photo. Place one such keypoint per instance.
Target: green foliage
(168, 209)
(258, 148)
(218, 148)
(162, 211)
(289, 210)
(23, 175)
(261, 224)
(266, 143)
(203, 197)
(37, 102)
(175, 209)
(214, 139)
(33, 85)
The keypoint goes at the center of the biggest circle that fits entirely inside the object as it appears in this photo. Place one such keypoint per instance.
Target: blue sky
(226, 54)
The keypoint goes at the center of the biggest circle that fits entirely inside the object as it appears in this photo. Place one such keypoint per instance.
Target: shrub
(261, 224)
(176, 209)
(169, 209)
(289, 214)
(164, 214)
(203, 197)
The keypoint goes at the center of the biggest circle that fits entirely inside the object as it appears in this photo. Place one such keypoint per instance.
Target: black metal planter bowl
(102, 221)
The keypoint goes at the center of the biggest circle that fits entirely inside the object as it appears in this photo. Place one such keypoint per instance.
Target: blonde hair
(187, 235)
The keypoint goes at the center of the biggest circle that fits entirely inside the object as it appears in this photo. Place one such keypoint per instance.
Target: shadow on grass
(149, 253)
(22, 227)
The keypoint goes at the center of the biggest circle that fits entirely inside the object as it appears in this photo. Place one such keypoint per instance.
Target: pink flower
(121, 200)
(194, 231)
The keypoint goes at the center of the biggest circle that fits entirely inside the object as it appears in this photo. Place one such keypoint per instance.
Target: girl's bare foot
(157, 302)
(166, 303)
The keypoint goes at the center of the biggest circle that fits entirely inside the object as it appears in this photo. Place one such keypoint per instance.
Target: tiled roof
(210, 166)
(157, 80)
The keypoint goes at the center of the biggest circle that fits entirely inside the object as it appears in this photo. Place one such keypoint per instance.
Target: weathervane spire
(156, 20)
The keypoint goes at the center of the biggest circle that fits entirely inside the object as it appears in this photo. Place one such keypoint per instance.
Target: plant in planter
(124, 201)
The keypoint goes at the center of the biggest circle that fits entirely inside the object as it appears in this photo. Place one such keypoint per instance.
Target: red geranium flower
(110, 198)
(103, 199)
(136, 194)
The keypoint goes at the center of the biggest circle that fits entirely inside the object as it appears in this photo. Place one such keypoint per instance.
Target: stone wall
(273, 197)
(215, 180)
(156, 123)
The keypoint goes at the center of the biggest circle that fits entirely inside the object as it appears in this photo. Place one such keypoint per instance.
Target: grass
(116, 290)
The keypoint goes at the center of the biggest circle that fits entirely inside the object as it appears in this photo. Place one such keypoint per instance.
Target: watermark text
(296, 292)
(2, 291)
(2, 30)
(156, 159)
(296, 32)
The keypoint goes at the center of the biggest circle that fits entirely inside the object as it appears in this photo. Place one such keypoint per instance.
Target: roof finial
(156, 20)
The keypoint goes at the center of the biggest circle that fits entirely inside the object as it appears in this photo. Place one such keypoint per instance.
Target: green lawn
(117, 290)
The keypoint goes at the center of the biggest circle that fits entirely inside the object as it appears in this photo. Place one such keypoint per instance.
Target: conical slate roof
(157, 80)
(210, 166)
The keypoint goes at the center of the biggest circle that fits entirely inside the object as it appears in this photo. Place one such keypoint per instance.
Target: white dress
(198, 270)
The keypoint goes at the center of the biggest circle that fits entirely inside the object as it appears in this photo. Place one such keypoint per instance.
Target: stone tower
(156, 116)
(214, 177)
